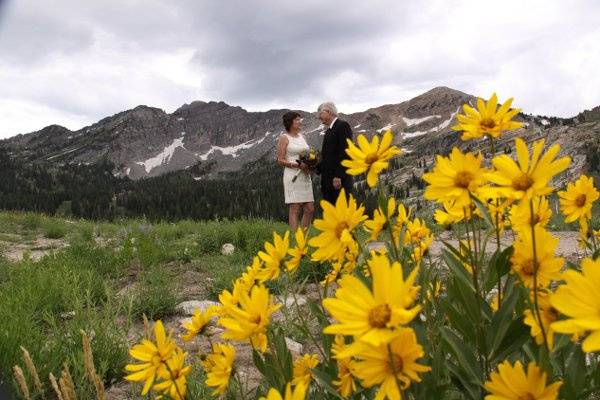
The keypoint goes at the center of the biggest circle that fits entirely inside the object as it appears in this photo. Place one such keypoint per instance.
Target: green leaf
(324, 379)
(516, 336)
(498, 266)
(259, 362)
(502, 318)
(457, 268)
(458, 320)
(472, 390)
(483, 210)
(463, 354)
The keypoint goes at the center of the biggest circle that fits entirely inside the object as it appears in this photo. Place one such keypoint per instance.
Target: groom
(333, 174)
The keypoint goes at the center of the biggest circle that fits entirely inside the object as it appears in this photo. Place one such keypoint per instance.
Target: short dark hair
(288, 118)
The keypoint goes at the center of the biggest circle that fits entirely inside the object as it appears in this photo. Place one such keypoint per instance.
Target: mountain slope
(213, 137)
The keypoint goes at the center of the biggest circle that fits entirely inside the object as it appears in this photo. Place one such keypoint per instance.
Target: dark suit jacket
(332, 154)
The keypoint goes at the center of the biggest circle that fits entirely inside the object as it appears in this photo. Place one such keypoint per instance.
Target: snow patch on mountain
(417, 121)
(163, 157)
(385, 128)
(437, 128)
(232, 150)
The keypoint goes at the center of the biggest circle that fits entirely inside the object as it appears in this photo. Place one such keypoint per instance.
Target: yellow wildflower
(374, 316)
(511, 382)
(548, 315)
(380, 219)
(174, 377)
(297, 252)
(273, 255)
(487, 120)
(303, 367)
(250, 318)
(548, 266)
(219, 366)
(576, 202)
(455, 178)
(299, 393)
(370, 158)
(526, 178)
(336, 226)
(387, 364)
(199, 321)
(153, 356)
(520, 215)
(578, 300)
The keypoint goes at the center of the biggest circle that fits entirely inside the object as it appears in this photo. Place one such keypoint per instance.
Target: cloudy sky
(73, 62)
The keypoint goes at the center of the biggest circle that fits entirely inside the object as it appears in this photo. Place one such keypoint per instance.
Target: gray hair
(328, 106)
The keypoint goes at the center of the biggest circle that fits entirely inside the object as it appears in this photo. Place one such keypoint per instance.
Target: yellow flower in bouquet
(249, 320)
(336, 226)
(526, 178)
(273, 255)
(370, 158)
(576, 202)
(219, 366)
(374, 316)
(153, 355)
(386, 365)
(455, 178)
(511, 382)
(548, 266)
(303, 367)
(487, 119)
(578, 300)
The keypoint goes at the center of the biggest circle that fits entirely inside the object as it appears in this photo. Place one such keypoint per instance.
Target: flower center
(526, 396)
(463, 179)
(156, 359)
(339, 228)
(535, 219)
(580, 200)
(398, 363)
(488, 123)
(371, 158)
(380, 316)
(527, 268)
(522, 182)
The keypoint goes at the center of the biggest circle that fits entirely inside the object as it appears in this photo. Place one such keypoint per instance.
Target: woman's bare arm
(281, 149)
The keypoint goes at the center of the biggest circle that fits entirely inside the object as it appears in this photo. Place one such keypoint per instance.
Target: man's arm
(342, 135)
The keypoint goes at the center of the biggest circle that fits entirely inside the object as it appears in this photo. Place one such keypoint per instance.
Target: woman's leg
(294, 216)
(307, 216)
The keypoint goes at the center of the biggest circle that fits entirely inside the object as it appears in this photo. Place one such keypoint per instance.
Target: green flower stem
(306, 327)
(172, 374)
(393, 366)
(239, 384)
(497, 229)
(535, 273)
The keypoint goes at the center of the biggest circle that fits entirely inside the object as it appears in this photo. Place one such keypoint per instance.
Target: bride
(298, 192)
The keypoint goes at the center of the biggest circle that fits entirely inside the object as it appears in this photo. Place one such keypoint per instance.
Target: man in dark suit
(333, 174)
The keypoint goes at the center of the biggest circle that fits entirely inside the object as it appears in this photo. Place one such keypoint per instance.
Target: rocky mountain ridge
(214, 137)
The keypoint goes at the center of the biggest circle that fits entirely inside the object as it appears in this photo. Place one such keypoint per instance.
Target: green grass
(45, 304)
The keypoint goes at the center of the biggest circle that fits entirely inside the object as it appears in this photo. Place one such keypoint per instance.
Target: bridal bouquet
(309, 158)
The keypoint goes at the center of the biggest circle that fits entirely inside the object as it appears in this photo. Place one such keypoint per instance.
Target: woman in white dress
(298, 193)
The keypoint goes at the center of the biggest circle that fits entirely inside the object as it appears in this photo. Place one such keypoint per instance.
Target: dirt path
(36, 249)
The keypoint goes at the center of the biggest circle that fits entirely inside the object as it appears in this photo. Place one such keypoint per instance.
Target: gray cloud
(77, 62)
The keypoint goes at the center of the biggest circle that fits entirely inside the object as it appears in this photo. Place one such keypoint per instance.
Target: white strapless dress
(301, 190)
